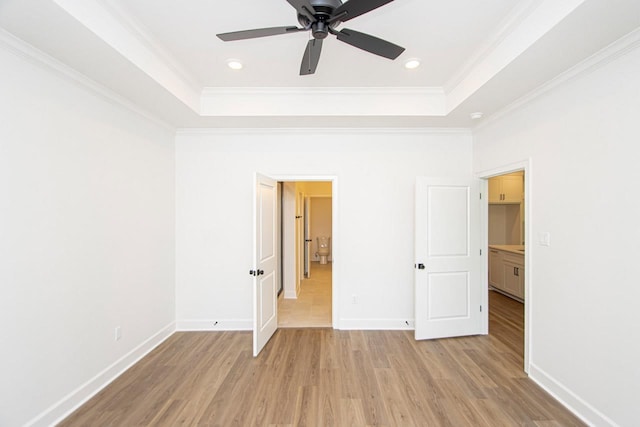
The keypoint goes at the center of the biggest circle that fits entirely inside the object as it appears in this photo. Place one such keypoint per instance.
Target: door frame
(335, 233)
(523, 165)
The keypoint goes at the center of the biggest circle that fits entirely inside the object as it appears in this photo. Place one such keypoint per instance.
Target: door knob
(260, 272)
(421, 267)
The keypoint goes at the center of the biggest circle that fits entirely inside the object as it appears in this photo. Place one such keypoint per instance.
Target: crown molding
(615, 50)
(27, 52)
(506, 27)
(137, 30)
(534, 22)
(330, 131)
(113, 30)
(295, 102)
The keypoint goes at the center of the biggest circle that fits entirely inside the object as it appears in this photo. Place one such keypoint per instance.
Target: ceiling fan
(321, 17)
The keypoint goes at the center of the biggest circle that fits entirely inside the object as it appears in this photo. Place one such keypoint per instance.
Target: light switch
(544, 239)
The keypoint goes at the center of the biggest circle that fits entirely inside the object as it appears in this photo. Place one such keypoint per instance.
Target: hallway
(312, 309)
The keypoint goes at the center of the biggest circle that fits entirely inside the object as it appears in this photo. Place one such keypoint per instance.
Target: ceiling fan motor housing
(323, 12)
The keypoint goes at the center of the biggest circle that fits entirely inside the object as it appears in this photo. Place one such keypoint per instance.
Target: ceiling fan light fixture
(234, 64)
(412, 64)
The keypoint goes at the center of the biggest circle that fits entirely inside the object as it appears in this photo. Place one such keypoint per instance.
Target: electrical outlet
(118, 333)
(354, 299)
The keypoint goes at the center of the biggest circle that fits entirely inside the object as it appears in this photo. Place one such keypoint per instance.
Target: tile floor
(312, 309)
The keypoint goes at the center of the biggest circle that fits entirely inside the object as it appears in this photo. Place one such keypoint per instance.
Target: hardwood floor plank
(323, 377)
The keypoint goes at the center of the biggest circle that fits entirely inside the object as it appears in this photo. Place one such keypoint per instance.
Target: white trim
(377, 324)
(111, 29)
(569, 399)
(137, 30)
(290, 295)
(219, 325)
(484, 258)
(330, 131)
(37, 57)
(506, 27)
(538, 21)
(615, 50)
(65, 406)
(365, 101)
(526, 166)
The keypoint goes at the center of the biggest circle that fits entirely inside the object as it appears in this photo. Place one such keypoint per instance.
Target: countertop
(514, 249)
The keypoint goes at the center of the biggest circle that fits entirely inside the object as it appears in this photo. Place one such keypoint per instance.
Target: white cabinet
(506, 272)
(513, 268)
(496, 274)
(506, 189)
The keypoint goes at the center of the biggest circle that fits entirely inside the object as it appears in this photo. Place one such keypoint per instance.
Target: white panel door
(265, 310)
(448, 285)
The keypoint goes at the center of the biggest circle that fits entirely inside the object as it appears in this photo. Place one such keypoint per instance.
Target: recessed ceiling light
(234, 64)
(477, 115)
(412, 63)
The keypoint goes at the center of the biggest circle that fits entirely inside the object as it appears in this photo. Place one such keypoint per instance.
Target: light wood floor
(312, 308)
(324, 377)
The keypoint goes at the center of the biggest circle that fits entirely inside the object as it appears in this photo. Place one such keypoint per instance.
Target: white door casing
(448, 283)
(265, 309)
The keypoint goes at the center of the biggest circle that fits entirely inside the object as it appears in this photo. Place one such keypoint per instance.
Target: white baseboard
(569, 399)
(63, 408)
(215, 325)
(377, 324)
(290, 295)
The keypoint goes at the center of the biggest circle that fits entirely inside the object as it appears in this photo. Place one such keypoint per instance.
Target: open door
(265, 310)
(448, 283)
(307, 237)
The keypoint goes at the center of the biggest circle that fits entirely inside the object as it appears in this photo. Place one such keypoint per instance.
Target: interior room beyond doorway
(307, 255)
(506, 260)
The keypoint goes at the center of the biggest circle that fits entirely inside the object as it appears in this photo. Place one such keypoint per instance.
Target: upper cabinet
(506, 189)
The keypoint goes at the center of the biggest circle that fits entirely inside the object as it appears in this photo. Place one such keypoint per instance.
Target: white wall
(375, 173)
(504, 225)
(321, 210)
(289, 240)
(583, 141)
(86, 240)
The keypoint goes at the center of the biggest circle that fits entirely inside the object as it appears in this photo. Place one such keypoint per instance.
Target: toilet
(324, 248)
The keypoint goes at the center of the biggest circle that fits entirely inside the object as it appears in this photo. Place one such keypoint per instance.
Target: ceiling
(163, 56)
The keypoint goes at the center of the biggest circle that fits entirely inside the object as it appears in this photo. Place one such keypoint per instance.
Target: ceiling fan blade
(311, 57)
(370, 43)
(353, 8)
(259, 32)
(303, 7)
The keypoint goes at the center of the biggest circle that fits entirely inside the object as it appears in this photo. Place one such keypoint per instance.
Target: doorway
(507, 267)
(293, 189)
(307, 254)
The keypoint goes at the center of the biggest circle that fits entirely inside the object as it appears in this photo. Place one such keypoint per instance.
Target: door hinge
(480, 196)
(480, 309)
(480, 251)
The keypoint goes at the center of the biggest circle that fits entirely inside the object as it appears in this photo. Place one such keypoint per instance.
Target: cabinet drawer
(516, 259)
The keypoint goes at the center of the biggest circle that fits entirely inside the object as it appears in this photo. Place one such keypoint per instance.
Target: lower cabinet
(496, 273)
(506, 272)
